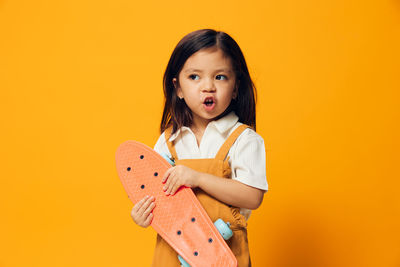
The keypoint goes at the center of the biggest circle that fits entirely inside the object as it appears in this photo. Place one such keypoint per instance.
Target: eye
(193, 76)
(221, 77)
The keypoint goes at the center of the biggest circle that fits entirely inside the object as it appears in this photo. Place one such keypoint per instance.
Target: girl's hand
(178, 176)
(141, 212)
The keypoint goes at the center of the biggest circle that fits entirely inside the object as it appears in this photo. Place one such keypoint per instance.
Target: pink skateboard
(180, 219)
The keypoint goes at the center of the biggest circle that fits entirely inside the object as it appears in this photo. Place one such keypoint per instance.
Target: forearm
(230, 191)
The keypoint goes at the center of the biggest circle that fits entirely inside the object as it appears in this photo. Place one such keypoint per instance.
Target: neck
(199, 124)
(198, 127)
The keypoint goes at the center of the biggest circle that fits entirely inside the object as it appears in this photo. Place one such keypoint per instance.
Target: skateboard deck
(180, 219)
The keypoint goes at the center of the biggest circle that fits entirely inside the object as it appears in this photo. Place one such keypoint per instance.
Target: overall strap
(171, 147)
(223, 151)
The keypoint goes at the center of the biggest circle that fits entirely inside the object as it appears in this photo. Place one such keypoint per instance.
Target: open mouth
(209, 101)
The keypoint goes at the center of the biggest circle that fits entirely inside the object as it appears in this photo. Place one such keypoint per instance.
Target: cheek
(189, 95)
(229, 92)
(182, 91)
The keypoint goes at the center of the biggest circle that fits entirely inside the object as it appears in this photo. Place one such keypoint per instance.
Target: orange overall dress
(164, 255)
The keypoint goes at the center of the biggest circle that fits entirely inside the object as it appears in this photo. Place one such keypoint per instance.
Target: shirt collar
(222, 125)
(225, 123)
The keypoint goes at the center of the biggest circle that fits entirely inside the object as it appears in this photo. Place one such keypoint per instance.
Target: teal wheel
(223, 229)
(170, 161)
(183, 262)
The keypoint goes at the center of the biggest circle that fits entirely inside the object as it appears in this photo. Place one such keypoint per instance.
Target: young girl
(208, 129)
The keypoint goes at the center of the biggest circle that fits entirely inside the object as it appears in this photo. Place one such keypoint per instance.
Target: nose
(208, 85)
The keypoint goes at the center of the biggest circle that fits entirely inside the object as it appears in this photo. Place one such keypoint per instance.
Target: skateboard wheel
(223, 229)
(167, 159)
(181, 219)
(183, 262)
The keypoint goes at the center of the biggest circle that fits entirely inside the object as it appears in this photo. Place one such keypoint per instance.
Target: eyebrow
(218, 70)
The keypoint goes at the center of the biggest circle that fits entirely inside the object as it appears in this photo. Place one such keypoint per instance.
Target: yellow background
(77, 78)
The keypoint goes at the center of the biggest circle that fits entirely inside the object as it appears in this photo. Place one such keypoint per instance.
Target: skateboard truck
(223, 228)
(140, 169)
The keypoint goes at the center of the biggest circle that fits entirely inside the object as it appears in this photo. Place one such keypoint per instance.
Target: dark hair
(176, 113)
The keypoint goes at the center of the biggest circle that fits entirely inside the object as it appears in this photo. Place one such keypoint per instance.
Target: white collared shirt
(246, 156)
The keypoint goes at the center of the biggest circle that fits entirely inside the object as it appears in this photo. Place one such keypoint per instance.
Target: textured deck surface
(179, 219)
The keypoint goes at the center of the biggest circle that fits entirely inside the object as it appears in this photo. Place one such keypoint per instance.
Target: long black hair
(176, 113)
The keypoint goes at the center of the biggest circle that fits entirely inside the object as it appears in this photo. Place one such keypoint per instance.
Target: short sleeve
(248, 160)
(161, 146)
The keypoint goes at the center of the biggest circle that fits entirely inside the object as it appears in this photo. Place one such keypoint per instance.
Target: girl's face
(207, 84)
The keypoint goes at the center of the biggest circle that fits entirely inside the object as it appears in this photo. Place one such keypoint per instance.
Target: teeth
(209, 101)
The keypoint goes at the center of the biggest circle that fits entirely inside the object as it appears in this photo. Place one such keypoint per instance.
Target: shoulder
(249, 145)
(161, 144)
(161, 138)
(249, 136)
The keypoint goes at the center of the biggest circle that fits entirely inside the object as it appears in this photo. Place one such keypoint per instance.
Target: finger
(139, 204)
(170, 181)
(149, 209)
(166, 174)
(148, 220)
(175, 188)
(136, 217)
(165, 177)
(145, 205)
(172, 185)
